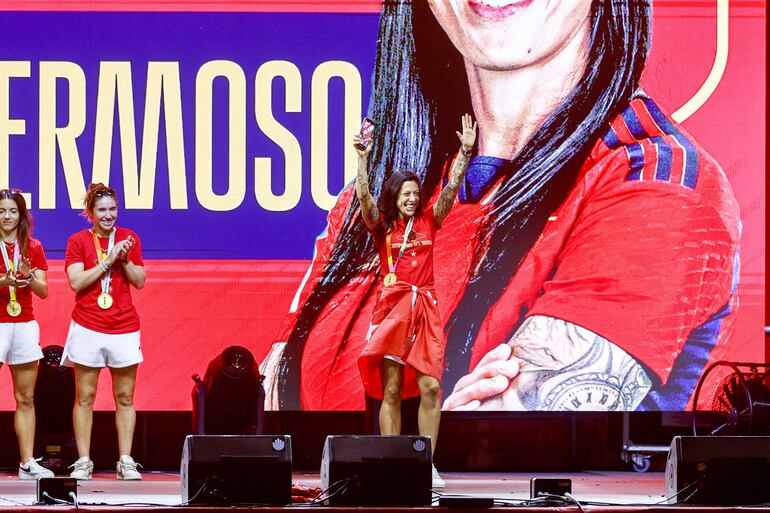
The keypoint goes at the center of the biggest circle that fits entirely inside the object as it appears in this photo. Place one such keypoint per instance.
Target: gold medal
(13, 308)
(389, 279)
(104, 301)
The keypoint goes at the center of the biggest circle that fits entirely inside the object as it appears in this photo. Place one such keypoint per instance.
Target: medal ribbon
(11, 266)
(391, 264)
(102, 255)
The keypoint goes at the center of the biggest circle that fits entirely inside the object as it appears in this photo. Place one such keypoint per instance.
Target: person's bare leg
(390, 410)
(24, 377)
(86, 381)
(123, 383)
(429, 413)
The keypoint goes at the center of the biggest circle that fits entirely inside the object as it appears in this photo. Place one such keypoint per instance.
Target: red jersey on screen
(416, 264)
(122, 316)
(37, 260)
(643, 252)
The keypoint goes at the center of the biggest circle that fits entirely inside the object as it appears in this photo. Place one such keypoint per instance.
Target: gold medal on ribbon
(389, 279)
(13, 308)
(104, 301)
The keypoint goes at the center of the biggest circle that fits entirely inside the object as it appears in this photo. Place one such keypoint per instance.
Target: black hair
(544, 171)
(388, 200)
(414, 92)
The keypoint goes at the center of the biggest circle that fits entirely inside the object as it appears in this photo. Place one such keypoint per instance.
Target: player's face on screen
(105, 213)
(408, 199)
(512, 34)
(9, 215)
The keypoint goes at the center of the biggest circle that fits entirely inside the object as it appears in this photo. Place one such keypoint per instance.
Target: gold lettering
(263, 110)
(204, 84)
(64, 138)
(319, 127)
(8, 126)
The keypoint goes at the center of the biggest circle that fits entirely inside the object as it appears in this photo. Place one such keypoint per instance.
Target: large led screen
(606, 244)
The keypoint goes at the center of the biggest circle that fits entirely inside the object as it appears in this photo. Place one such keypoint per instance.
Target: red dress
(405, 322)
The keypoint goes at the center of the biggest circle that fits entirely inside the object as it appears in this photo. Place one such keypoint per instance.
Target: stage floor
(162, 488)
(599, 492)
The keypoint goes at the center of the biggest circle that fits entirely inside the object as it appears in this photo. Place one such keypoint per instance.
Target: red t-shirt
(36, 256)
(416, 264)
(122, 316)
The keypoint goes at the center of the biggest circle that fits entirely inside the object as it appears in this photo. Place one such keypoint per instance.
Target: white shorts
(20, 342)
(94, 349)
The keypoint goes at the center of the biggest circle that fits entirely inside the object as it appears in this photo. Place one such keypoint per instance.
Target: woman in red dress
(404, 352)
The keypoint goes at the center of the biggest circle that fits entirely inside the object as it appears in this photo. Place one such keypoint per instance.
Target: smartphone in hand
(366, 133)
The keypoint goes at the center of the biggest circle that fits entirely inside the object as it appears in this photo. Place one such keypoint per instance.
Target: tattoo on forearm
(368, 207)
(567, 367)
(449, 192)
(372, 212)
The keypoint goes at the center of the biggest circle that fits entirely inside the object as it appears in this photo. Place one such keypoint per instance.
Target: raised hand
(449, 193)
(468, 135)
(366, 151)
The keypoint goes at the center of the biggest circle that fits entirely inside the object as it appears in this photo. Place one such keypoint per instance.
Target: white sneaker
(438, 482)
(83, 469)
(126, 469)
(33, 470)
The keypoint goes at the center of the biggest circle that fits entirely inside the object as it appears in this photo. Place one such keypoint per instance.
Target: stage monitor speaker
(377, 471)
(229, 469)
(55, 490)
(718, 470)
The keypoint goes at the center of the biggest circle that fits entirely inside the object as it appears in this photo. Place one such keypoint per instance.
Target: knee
(124, 400)
(391, 393)
(430, 391)
(86, 397)
(25, 400)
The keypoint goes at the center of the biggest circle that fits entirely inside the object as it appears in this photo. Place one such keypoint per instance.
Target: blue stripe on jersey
(636, 157)
(665, 154)
(688, 366)
(690, 178)
(633, 124)
(611, 139)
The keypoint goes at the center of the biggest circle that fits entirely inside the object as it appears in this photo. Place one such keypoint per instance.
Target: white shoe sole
(29, 477)
(128, 478)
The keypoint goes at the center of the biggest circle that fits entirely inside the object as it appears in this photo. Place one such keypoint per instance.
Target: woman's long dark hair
(24, 228)
(387, 203)
(420, 86)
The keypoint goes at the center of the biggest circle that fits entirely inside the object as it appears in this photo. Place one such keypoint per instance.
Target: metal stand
(638, 455)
